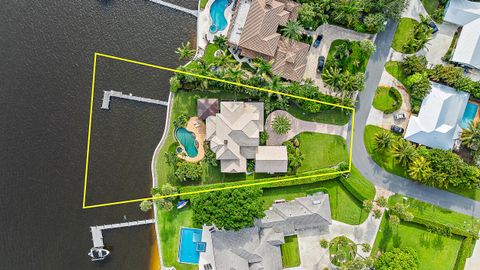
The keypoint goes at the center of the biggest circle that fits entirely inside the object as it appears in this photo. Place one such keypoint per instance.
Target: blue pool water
(187, 139)
(469, 114)
(217, 11)
(187, 251)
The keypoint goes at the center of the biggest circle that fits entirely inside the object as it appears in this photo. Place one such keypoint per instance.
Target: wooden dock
(97, 236)
(179, 8)
(107, 95)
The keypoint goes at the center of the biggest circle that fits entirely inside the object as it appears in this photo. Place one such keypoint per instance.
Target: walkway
(179, 8)
(330, 33)
(298, 126)
(369, 168)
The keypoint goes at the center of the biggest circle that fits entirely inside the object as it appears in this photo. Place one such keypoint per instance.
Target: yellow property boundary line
(84, 206)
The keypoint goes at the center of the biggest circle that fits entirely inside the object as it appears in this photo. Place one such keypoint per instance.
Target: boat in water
(98, 254)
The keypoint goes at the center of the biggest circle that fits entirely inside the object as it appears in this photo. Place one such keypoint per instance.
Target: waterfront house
(234, 135)
(258, 247)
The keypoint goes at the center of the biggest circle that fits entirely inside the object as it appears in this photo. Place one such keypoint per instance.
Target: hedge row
(280, 183)
(357, 194)
(454, 230)
(465, 251)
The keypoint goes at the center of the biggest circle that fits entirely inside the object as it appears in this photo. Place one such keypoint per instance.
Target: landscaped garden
(411, 35)
(346, 63)
(342, 250)
(435, 8)
(439, 238)
(387, 99)
(290, 252)
(433, 167)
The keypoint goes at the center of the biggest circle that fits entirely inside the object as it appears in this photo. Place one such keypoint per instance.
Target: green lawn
(396, 70)
(209, 53)
(405, 32)
(343, 205)
(387, 99)
(169, 224)
(321, 150)
(385, 160)
(431, 212)
(290, 252)
(333, 116)
(434, 251)
(360, 184)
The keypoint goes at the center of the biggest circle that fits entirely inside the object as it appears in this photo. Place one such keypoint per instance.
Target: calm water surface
(46, 60)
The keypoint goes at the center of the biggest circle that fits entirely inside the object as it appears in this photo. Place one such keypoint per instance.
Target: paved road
(375, 173)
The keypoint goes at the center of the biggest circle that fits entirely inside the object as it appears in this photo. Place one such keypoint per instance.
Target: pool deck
(200, 134)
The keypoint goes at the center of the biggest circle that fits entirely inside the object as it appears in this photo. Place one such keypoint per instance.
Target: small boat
(98, 254)
(181, 204)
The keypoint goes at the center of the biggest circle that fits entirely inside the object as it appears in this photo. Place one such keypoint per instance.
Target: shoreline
(156, 260)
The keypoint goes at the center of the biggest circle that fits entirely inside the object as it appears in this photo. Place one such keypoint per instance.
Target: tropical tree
(342, 50)
(333, 77)
(224, 61)
(295, 159)
(221, 41)
(281, 124)
(171, 158)
(165, 190)
(367, 46)
(414, 64)
(471, 136)
(263, 67)
(375, 22)
(292, 30)
(187, 171)
(231, 209)
(397, 259)
(383, 140)
(404, 152)
(307, 15)
(347, 12)
(185, 51)
(146, 205)
(420, 169)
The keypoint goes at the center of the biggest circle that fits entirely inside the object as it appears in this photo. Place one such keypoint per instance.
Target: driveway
(330, 33)
(369, 168)
(298, 126)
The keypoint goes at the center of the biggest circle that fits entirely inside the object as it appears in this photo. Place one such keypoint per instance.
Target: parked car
(433, 26)
(399, 116)
(317, 41)
(396, 129)
(321, 63)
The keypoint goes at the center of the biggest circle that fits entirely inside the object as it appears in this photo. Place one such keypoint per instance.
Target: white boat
(98, 254)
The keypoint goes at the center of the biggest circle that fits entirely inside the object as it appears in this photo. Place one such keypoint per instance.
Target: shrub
(263, 138)
(281, 125)
(146, 205)
(187, 171)
(414, 64)
(419, 85)
(405, 259)
(175, 84)
(464, 252)
(180, 121)
(375, 22)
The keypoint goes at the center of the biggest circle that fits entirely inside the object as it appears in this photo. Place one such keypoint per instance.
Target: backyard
(434, 251)
(387, 99)
(290, 252)
(321, 150)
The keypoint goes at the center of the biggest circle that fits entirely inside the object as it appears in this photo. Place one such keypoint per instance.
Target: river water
(46, 61)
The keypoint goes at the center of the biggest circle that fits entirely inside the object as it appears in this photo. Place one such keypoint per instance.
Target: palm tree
(383, 140)
(263, 67)
(295, 159)
(221, 41)
(185, 51)
(404, 152)
(471, 136)
(223, 60)
(333, 77)
(292, 30)
(281, 125)
(342, 51)
(347, 12)
(420, 169)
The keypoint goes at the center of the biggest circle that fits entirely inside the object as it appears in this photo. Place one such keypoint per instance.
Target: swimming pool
(217, 11)
(469, 114)
(187, 139)
(187, 249)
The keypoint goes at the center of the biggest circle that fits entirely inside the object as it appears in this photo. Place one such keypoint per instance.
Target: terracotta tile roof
(260, 31)
(290, 59)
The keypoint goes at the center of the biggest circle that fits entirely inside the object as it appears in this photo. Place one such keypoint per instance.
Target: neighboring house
(259, 37)
(466, 14)
(258, 247)
(234, 135)
(438, 123)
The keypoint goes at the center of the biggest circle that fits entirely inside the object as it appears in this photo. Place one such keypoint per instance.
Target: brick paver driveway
(299, 126)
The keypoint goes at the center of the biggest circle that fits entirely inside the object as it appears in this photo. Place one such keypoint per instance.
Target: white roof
(462, 12)
(271, 159)
(437, 124)
(468, 46)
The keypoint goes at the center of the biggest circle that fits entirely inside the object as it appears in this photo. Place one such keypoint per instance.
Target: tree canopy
(231, 209)
(397, 259)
